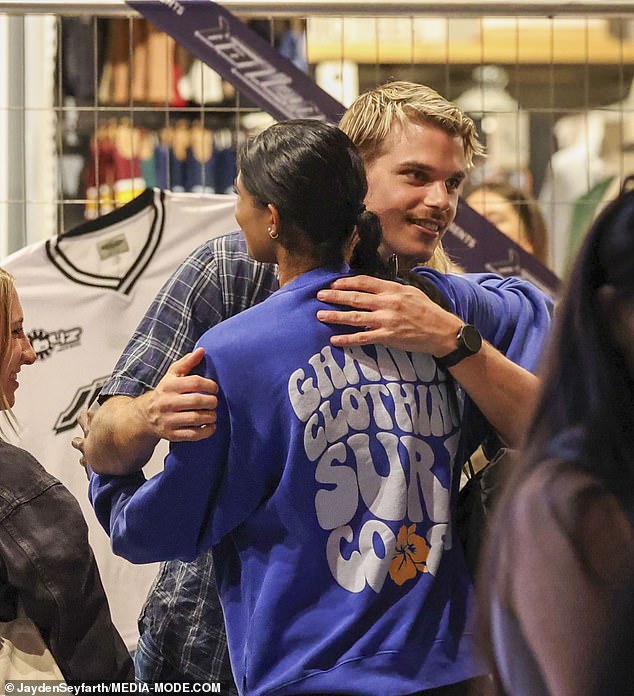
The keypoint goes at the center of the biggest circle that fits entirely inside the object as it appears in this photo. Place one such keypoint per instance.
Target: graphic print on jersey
(83, 398)
(46, 342)
(82, 302)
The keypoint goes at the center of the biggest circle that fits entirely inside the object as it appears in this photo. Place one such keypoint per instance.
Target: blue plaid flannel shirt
(182, 613)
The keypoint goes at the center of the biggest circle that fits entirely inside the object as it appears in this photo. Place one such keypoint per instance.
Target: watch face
(471, 338)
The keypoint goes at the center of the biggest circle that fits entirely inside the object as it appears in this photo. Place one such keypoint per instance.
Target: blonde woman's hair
(7, 289)
(369, 120)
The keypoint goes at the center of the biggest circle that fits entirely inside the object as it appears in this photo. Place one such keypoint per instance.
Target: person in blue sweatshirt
(325, 491)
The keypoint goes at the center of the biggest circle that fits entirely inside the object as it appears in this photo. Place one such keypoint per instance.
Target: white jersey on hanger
(83, 294)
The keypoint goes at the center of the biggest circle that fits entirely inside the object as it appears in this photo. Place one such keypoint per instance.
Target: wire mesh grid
(91, 98)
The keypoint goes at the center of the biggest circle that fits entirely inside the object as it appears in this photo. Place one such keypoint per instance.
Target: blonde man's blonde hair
(7, 293)
(369, 120)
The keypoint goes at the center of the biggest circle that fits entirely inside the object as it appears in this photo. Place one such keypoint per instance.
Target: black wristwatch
(468, 342)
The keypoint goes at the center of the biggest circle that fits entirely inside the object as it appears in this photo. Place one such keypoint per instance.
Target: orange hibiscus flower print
(410, 555)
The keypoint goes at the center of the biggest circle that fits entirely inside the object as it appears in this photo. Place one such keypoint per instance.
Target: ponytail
(365, 256)
(366, 259)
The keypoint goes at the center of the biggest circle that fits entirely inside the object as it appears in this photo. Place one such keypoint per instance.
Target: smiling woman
(515, 213)
(47, 568)
(15, 348)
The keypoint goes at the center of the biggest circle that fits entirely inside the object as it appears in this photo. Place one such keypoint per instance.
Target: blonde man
(375, 119)
(417, 147)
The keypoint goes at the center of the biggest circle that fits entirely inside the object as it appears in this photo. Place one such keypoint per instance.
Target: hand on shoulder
(183, 405)
(388, 312)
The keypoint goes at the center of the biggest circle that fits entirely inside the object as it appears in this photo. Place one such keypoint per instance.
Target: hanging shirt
(83, 295)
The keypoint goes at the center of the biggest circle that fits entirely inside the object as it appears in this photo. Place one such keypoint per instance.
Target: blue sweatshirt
(325, 494)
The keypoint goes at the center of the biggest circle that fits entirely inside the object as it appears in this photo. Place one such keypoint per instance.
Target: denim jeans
(150, 666)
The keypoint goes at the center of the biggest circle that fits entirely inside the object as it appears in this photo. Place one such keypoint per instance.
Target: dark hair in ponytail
(313, 174)
(366, 259)
(365, 256)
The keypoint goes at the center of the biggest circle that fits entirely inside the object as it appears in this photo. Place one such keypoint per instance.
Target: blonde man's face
(414, 186)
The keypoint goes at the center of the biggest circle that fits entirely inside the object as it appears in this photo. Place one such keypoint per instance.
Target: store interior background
(535, 85)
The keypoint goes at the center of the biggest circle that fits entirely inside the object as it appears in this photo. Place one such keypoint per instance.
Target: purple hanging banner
(478, 246)
(277, 86)
(241, 57)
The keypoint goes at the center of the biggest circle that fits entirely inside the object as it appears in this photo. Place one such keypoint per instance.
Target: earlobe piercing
(272, 233)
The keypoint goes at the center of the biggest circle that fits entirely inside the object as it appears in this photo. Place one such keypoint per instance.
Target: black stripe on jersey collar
(150, 198)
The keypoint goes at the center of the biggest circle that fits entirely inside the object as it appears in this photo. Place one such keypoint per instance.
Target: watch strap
(463, 350)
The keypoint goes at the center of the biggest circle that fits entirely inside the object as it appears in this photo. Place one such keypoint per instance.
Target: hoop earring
(272, 233)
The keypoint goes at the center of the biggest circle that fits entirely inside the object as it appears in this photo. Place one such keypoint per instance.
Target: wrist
(447, 342)
(119, 441)
(467, 342)
(146, 428)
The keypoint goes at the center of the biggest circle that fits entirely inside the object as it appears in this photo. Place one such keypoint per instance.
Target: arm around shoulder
(119, 438)
(514, 318)
(123, 431)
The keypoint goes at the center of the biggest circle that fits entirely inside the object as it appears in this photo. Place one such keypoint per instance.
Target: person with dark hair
(330, 533)
(48, 572)
(417, 148)
(515, 213)
(561, 547)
